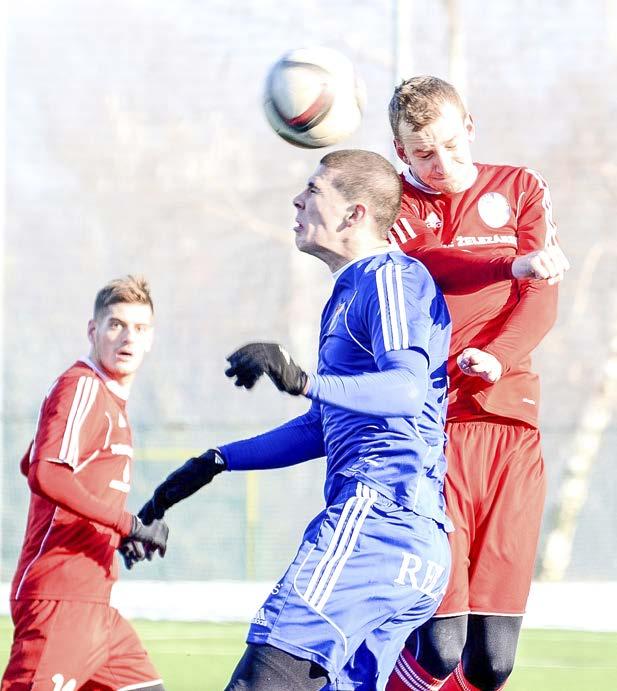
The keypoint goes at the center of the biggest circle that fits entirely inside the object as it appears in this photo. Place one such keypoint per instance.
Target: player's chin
(447, 186)
(301, 241)
(127, 366)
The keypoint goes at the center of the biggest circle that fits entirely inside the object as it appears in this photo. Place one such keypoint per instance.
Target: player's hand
(132, 551)
(153, 537)
(248, 363)
(183, 482)
(549, 264)
(478, 363)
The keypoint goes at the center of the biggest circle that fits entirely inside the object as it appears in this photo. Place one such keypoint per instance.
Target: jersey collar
(415, 181)
(117, 389)
(373, 253)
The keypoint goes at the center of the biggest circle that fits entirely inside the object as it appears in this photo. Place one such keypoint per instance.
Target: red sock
(457, 681)
(407, 674)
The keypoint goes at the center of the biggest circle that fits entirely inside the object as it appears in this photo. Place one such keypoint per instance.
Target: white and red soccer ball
(313, 97)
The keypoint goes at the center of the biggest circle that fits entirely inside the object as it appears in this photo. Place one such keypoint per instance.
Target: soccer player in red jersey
(495, 484)
(78, 468)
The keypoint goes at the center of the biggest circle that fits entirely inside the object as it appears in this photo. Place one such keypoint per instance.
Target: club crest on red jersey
(494, 209)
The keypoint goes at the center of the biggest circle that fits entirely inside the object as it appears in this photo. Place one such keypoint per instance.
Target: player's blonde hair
(130, 289)
(418, 101)
(369, 177)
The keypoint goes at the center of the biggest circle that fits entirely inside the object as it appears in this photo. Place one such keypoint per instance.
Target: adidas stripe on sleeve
(64, 417)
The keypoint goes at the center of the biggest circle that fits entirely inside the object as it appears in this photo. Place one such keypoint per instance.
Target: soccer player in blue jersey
(374, 563)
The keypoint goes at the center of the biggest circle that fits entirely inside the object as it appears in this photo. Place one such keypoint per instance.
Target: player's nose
(298, 201)
(129, 334)
(443, 162)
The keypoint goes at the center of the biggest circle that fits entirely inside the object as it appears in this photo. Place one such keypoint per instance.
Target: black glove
(144, 541)
(183, 482)
(132, 551)
(248, 363)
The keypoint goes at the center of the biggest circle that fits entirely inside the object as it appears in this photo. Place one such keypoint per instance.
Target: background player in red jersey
(79, 470)
(495, 484)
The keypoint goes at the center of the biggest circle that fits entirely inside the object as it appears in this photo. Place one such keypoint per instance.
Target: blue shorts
(368, 572)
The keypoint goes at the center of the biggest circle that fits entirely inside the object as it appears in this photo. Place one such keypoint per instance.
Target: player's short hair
(131, 289)
(418, 101)
(368, 177)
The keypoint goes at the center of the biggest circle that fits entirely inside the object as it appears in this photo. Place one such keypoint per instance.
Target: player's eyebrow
(311, 185)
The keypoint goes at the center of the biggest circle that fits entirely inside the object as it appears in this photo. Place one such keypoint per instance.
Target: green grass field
(200, 656)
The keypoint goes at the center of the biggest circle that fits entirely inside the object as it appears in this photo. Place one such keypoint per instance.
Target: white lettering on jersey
(465, 241)
(410, 569)
(122, 450)
(494, 209)
(59, 685)
(123, 485)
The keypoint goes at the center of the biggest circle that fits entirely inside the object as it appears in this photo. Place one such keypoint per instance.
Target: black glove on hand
(143, 541)
(132, 552)
(248, 363)
(183, 482)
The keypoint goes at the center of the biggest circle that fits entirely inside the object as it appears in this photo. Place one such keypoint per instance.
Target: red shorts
(495, 489)
(62, 645)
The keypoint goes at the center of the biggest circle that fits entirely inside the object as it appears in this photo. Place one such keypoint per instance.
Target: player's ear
(91, 330)
(470, 127)
(400, 151)
(355, 214)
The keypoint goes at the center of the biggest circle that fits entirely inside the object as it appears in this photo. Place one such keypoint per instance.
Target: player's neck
(121, 381)
(354, 257)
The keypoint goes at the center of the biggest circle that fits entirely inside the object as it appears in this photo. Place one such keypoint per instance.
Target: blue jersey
(382, 307)
(379, 395)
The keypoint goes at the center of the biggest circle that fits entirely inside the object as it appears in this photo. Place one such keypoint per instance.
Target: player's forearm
(457, 271)
(395, 392)
(527, 325)
(298, 440)
(57, 483)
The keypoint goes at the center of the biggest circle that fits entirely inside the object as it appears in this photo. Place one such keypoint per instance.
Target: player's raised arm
(458, 271)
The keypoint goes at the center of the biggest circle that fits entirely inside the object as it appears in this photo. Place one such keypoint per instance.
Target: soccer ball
(314, 97)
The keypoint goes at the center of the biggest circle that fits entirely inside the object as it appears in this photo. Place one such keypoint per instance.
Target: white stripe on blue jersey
(391, 296)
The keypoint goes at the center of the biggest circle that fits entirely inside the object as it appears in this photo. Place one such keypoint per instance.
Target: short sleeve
(397, 308)
(68, 429)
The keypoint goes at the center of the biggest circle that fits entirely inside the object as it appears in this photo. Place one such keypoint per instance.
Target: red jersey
(507, 211)
(82, 423)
